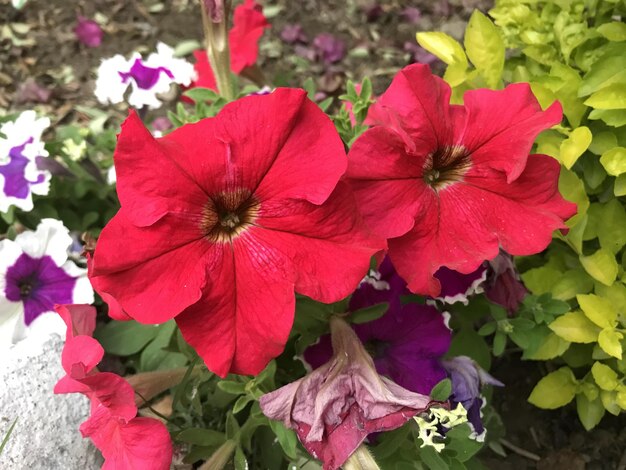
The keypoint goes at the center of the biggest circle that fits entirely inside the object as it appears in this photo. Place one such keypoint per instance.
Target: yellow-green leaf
(620, 398)
(589, 412)
(614, 161)
(612, 117)
(609, 401)
(615, 294)
(602, 266)
(610, 97)
(485, 48)
(598, 310)
(574, 146)
(605, 377)
(571, 283)
(609, 341)
(603, 141)
(551, 346)
(614, 31)
(620, 185)
(555, 390)
(540, 280)
(572, 188)
(575, 327)
(443, 46)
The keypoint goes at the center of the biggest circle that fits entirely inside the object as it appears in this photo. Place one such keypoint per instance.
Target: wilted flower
(243, 38)
(88, 32)
(125, 440)
(29, 91)
(21, 146)
(467, 379)
(336, 406)
(447, 184)
(503, 285)
(147, 78)
(35, 274)
(330, 49)
(406, 343)
(229, 216)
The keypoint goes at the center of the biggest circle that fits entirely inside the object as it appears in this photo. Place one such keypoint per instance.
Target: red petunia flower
(243, 38)
(448, 184)
(221, 220)
(126, 441)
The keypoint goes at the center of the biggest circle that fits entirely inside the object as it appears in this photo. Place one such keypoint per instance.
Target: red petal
(417, 102)
(143, 165)
(80, 319)
(475, 217)
(387, 181)
(504, 142)
(244, 320)
(329, 245)
(204, 72)
(155, 272)
(80, 355)
(110, 391)
(140, 444)
(248, 25)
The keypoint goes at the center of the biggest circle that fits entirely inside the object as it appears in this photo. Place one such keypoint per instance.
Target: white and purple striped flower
(20, 148)
(147, 78)
(35, 274)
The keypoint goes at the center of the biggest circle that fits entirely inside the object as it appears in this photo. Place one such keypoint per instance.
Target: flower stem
(361, 459)
(216, 35)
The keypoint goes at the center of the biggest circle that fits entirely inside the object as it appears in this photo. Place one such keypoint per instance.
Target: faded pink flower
(335, 407)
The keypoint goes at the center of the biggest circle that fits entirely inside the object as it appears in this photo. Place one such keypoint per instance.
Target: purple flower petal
(329, 48)
(411, 15)
(293, 33)
(15, 182)
(145, 77)
(31, 92)
(457, 287)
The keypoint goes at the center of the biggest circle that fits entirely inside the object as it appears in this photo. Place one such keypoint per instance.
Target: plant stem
(361, 459)
(216, 36)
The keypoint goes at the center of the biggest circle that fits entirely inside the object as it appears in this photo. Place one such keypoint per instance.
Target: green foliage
(573, 51)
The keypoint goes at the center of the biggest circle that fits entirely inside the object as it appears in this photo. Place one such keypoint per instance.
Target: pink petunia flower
(226, 218)
(336, 406)
(243, 38)
(88, 32)
(449, 185)
(127, 442)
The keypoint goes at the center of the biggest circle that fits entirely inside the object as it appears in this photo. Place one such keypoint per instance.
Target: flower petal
(244, 319)
(168, 255)
(504, 143)
(248, 25)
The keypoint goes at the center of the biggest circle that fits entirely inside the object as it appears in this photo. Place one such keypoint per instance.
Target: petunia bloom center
(445, 166)
(228, 214)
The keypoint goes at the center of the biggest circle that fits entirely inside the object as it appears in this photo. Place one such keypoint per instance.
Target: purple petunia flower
(88, 32)
(293, 33)
(35, 274)
(406, 343)
(458, 287)
(467, 379)
(503, 285)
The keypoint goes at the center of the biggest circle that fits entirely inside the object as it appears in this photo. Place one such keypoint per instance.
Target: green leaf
(549, 347)
(609, 401)
(155, 356)
(7, 436)
(620, 186)
(443, 46)
(201, 437)
(442, 391)
(601, 266)
(432, 459)
(541, 280)
(589, 412)
(231, 387)
(575, 327)
(555, 390)
(612, 117)
(499, 343)
(610, 97)
(611, 225)
(286, 438)
(605, 377)
(572, 188)
(485, 48)
(368, 314)
(610, 342)
(574, 146)
(598, 310)
(606, 71)
(614, 161)
(461, 444)
(572, 282)
(240, 459)
(614, 31)
(468, 343)
(124, 338)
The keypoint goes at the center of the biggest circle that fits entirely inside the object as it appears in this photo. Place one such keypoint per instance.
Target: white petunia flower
(35, 274)
(147, 78)
(20, 177)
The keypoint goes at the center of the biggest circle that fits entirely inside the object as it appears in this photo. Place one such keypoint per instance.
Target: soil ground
(38, 43)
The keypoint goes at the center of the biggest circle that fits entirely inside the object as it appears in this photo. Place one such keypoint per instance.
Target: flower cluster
(35, 274)
(20, 173)
(146, 77)
(125, 440)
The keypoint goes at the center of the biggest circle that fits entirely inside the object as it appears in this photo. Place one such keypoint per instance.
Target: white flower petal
(51, 238)
(12, 327)
(109, 85)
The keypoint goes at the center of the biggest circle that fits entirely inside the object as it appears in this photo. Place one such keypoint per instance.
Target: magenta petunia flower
(449, 185)
(88, 32)
(336, 406)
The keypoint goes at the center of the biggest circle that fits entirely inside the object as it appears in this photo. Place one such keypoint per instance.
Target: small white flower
(20, 177)
(35, 274)
(147, 78)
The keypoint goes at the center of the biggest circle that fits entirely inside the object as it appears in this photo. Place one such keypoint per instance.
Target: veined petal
(248, 25)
